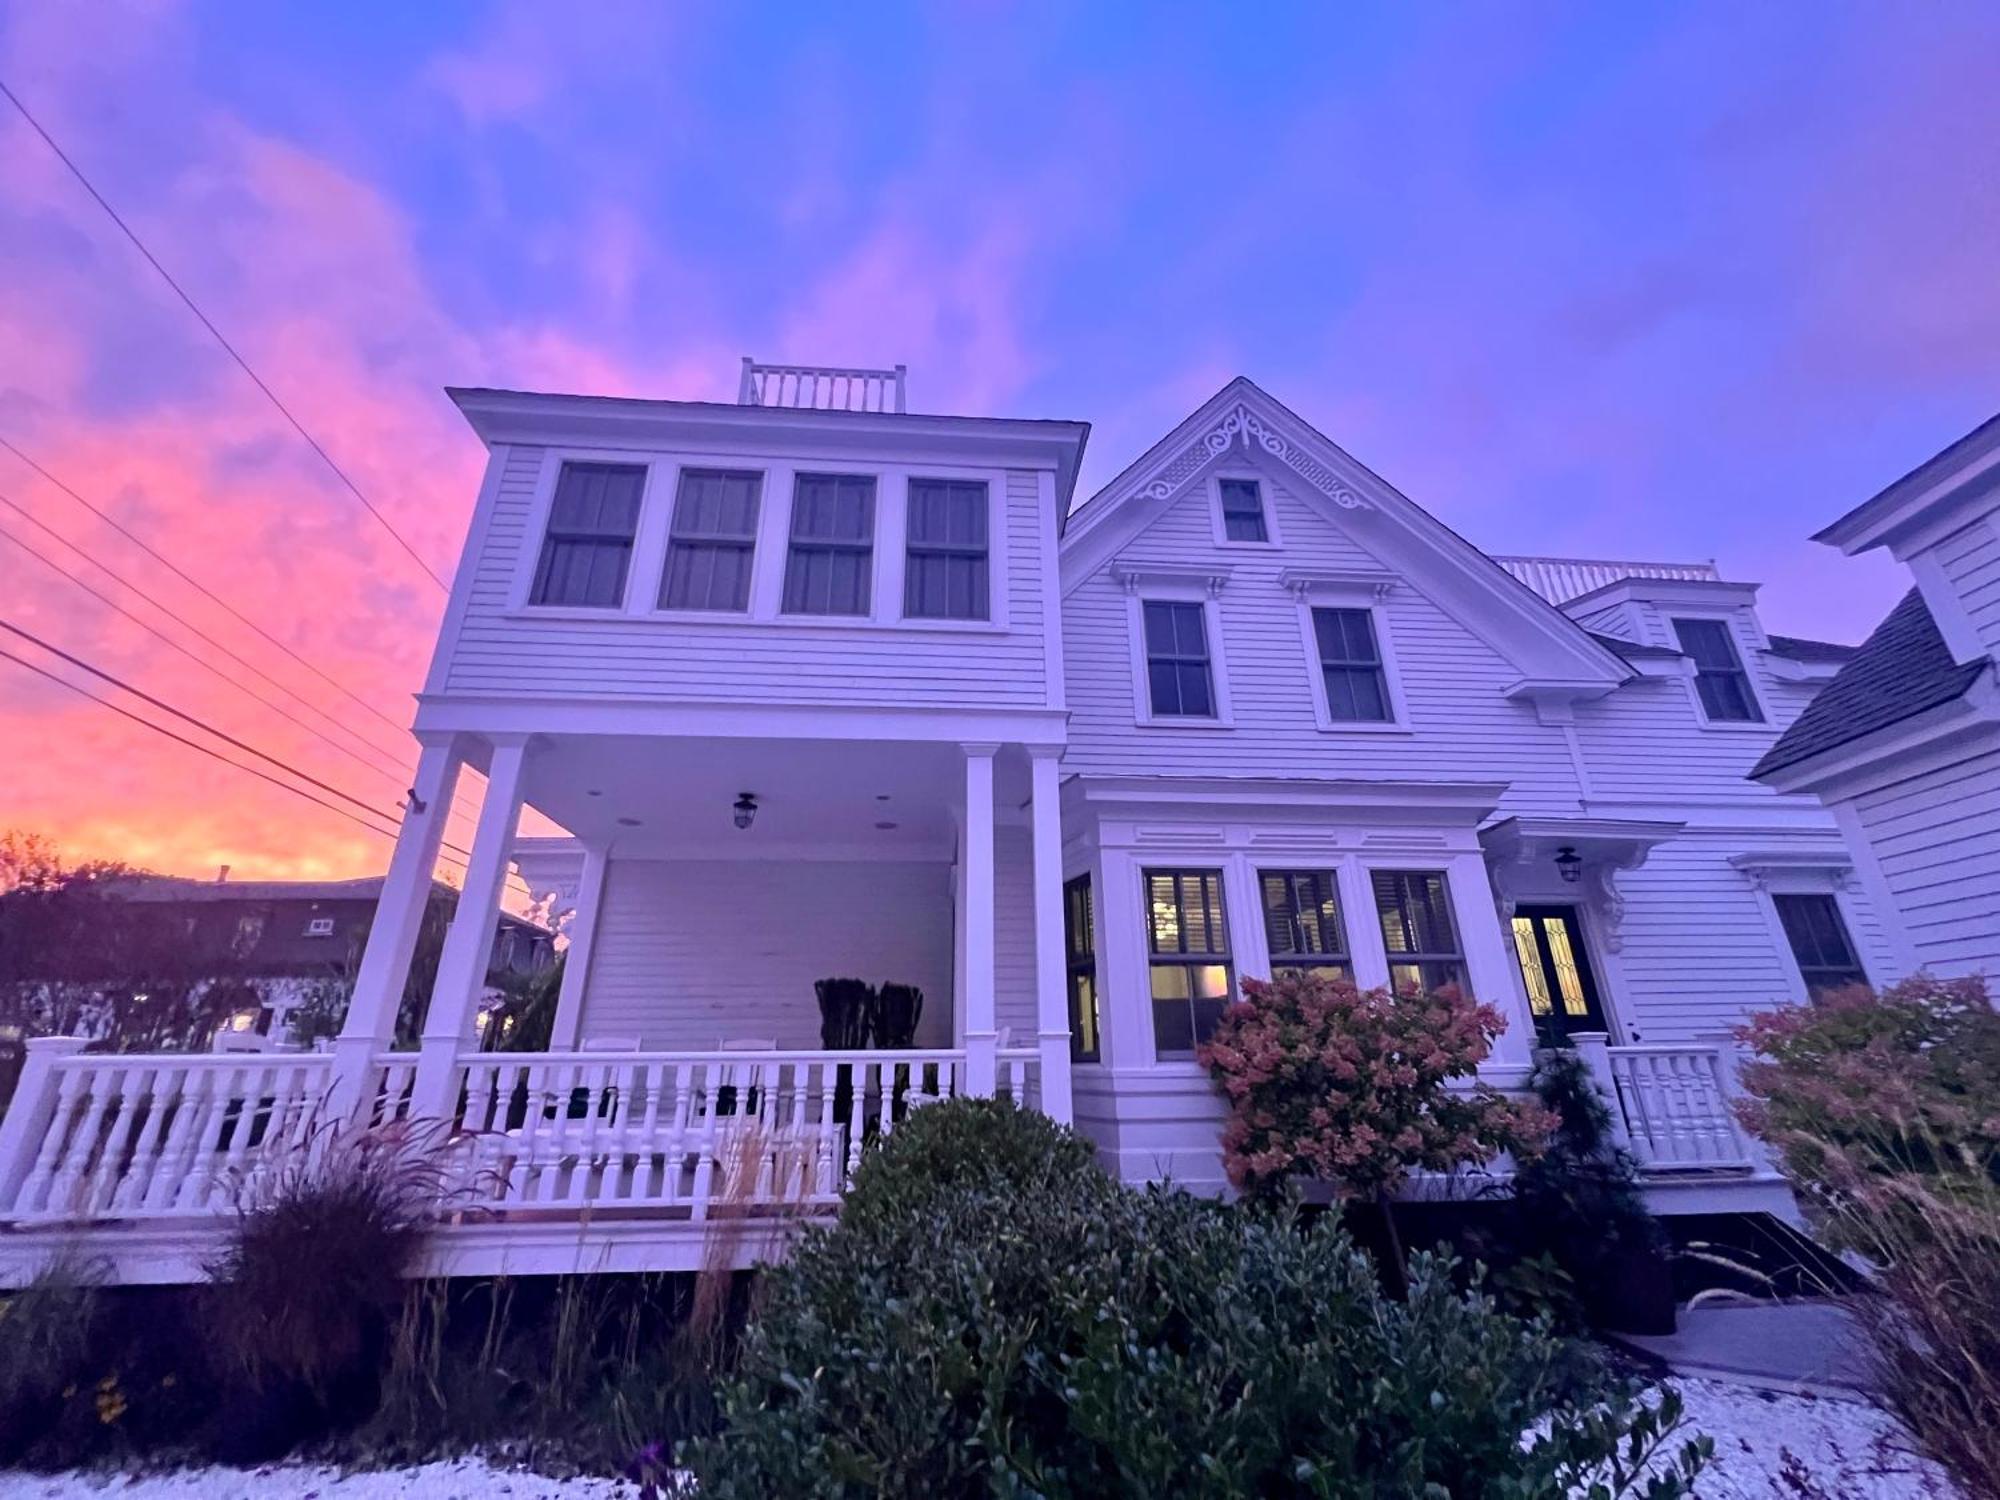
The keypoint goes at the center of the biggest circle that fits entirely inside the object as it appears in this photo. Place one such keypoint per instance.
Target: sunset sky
(1631, 281)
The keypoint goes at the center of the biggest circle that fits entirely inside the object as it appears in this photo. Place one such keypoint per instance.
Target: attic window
(319, 927)
(1719, 679)
(1242, 502)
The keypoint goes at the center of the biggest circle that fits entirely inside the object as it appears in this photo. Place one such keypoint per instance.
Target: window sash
(829, 565)
(1820, 944)
(1242, 510)
(1302, 921)
(945, 569)
(1720, 679)
(712, 544)
(1350, 664)
(1418, 930)
(587, 543)
(1080, 948)
(1179, 682)
(1191, 978)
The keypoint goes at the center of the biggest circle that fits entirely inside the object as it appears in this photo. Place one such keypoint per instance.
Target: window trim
(1082, 962)
(1835, 878)
(1462, 957)
(1727, 620)
(872, 572)
(1164, 589)
(1219, 530)
(528, 564)
(986, 555)
(757, 532)
(1831, 895)
(1340, 957)
(1228, 958)
(1366, 594)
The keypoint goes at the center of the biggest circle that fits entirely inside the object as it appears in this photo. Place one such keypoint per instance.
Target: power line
(181, 573)
(228, 348)
(366, 809)
(182, 621)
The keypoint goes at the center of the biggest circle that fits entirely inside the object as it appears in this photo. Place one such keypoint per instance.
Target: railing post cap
(59, 1045)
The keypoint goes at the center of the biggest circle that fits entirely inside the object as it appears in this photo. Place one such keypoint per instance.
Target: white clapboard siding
(765, 661)
(1463, 728)
(689, 953)
(1937, 840)
(1702, 950)
(1970, 559)
(1014, 936)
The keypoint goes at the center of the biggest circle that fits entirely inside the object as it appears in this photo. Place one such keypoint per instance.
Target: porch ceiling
(654, 796)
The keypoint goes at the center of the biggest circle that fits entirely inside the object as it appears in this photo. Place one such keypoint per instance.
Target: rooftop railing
(821, 387)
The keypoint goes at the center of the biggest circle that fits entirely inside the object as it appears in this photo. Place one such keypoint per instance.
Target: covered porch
(690, 1075)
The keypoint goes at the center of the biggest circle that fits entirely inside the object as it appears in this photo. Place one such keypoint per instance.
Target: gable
(1242, 424)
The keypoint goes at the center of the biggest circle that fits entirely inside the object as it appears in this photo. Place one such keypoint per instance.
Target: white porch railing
(1674, 1104)
(96, 1137)
(821, 387)
(132, 1136)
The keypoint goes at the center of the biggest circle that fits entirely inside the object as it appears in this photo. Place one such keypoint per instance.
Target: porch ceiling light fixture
(1568, 864)
(745, 808)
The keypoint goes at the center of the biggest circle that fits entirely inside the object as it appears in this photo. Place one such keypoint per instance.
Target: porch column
(370, 1025)
(1491, 968)
(576, 958)
(1051, 973)
(976, 880)
(468, 945)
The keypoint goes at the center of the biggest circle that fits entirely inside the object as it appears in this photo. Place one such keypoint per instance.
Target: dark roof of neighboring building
(1899, 671)
(1797, 648)
(1631, 650)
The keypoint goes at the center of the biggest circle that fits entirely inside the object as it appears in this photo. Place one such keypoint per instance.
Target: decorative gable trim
(1240, 424)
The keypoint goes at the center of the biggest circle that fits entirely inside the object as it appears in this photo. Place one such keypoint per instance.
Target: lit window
(1302, 922)
(1187, 935)
(1719, 678)
(944, 569)
(1820, 944)
(588, 546)
(713, 541)
(1350, 666)
(1415, 910)
(1242, 510)
(319, 927)
(1080, 947)
(1177, 665)
(832, 546)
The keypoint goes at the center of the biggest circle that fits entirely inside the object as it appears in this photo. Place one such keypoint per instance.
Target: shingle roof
(1901, 670)
(1632, 650)
(1797, 648)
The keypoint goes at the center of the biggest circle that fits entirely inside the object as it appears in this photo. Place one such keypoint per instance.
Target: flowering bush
(1355, 1086)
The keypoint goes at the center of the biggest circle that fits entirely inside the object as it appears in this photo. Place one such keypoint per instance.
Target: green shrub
(1027, 1326)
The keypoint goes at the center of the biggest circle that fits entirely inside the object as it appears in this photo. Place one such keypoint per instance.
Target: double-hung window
(1187, 940)
(832, 555)
(1080, 954)
(1179, 679)
(1820, 944)
(1242, 502)
(944, 569)
(1350, 666)
(1719, 678)
(587, 548)
(713, 541)
(1302, 922)
(1414, 907)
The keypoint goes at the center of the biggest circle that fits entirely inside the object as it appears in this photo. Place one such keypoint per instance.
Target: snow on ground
(1767, 1446)
(1803, 1447)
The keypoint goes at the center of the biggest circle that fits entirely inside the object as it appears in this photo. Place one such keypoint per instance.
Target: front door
(1562, 992)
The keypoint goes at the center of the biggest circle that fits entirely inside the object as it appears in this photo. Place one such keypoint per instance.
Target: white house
(825, 689)
(1904, 745)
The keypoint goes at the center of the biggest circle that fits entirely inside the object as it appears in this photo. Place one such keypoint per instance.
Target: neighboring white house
(1904, 745)
(827, 689)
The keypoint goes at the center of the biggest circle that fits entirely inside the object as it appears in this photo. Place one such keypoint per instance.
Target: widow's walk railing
(822, 387)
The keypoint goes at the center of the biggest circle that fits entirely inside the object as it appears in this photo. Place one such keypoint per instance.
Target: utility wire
(186, 624)
(366, 809)
(181, 573)
(228, 348)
